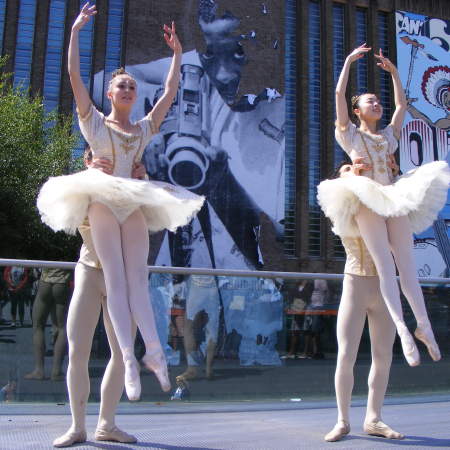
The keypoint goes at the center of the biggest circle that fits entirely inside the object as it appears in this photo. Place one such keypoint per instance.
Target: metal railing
(212, 272)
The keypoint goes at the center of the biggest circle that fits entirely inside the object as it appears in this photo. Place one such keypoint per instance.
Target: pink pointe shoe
(409, 347)
(132, 379)
(156, 362)
(425, 334)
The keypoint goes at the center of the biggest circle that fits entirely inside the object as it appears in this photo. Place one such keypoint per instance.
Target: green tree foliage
(33, 146)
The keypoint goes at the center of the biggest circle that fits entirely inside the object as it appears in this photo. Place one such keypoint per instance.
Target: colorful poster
(423, 57)
(224, 136)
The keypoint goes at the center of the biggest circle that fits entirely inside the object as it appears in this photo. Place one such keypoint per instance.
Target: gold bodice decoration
(127, 143)
(378, 144)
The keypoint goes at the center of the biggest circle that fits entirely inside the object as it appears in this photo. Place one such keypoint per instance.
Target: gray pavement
(234, 425)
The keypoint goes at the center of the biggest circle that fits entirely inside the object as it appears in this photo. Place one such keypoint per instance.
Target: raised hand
(171, 38)
(359, 52)
(87, 11)
(384, 62)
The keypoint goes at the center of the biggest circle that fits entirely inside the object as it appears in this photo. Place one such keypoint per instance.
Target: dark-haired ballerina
(384, 213)
(121, 210)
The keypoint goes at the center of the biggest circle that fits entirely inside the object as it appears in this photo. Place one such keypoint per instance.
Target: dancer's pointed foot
(379, 428)
(408, 345)
(425, 334)
(57, 376)
(132, 379)
(190, 373)
(156, 362)
(341, 429)
(115, 434)
(70, 438)
(35, 375)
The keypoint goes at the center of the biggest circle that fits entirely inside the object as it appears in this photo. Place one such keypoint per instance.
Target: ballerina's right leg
(374, 232)
(106, 236)
(135, 244)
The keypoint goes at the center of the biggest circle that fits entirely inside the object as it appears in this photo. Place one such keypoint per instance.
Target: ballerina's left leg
(106, 236)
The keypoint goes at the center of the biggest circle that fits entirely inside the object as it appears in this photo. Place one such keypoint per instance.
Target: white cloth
(63, 201)
(319, 293)
(420, 194)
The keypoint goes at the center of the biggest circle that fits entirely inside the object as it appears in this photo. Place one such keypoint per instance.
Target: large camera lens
(187, 162)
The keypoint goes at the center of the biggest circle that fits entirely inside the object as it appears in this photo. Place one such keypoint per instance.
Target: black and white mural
(217, 142)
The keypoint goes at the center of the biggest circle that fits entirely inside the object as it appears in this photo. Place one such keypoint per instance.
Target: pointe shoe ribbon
(114, 435)
(341, 429)
(425, 334)
(132, 379)
(70, 438)
(379, 428)
(156, 362)
(408, 345)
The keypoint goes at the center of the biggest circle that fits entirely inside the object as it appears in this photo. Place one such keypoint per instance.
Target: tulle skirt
(419, 194)
(63, 201)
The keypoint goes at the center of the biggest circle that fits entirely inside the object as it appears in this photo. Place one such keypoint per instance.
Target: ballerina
(121, 210)
(384, 213)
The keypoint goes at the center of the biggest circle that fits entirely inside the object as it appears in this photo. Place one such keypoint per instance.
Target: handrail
(213, 272)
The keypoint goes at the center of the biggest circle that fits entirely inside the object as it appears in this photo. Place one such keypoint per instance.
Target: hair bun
(119, 71)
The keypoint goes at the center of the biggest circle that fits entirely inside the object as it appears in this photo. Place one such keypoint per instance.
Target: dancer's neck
(120, 117)
(368, 126)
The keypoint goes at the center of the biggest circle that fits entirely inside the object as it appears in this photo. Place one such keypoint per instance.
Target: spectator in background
(53, 294)
(314, 323)
(301, 297)
(16, 279)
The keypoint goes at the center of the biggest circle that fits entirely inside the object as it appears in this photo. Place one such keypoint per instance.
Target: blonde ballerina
(121, 210)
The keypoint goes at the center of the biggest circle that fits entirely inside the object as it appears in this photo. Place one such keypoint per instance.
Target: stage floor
(233, 425)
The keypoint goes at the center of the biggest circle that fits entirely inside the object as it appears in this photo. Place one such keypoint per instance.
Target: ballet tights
(361, 297)
(88, 298)
(383, 236)
(123, 251)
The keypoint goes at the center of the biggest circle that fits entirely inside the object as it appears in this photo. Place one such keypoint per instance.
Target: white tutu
(420, 194)
(63, 201)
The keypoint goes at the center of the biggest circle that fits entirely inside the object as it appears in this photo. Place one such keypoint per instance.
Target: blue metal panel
(314, 127)
(24, 43)
(54, 53)
(290, 127)
(361, 37)
(385, 77)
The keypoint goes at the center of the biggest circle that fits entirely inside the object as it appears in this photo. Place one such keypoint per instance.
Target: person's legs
(401, 239)
(21, 306)
(112, 387)
(212, 327)
(13, 300)
(84, 311)
(382, 336)
(61, 296)
(107, 237)
(350, 324)
(374, 232)
(135, 247)
(41, 311)
(191, 348)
